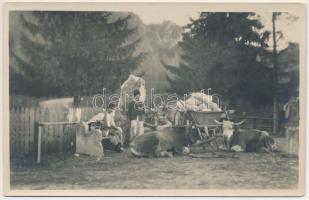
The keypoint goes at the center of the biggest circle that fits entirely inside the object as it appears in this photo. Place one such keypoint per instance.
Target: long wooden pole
(39, 144)
(275, 76)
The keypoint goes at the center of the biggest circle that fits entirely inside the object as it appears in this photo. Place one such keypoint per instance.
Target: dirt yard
(123, 171)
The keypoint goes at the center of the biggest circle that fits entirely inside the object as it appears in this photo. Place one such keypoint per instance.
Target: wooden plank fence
(24, 128)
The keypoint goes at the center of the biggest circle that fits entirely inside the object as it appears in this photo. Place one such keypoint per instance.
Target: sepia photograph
(133, 99)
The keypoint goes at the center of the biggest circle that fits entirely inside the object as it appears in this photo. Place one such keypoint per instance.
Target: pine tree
(224, 51)
(76, 53)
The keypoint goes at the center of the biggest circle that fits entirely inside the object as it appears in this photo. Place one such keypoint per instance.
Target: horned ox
(163, 143)
(245, 139)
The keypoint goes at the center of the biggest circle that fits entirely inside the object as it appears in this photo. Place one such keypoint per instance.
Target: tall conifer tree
(224, 51)
(75, 53)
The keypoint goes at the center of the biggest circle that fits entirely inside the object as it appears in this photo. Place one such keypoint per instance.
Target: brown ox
(249, 140)
(163, 143)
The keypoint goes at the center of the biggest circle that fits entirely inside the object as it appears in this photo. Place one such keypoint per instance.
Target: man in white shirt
(105, 123)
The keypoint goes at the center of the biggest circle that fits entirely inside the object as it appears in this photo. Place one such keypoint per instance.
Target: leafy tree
(75, 53)
(224, 51)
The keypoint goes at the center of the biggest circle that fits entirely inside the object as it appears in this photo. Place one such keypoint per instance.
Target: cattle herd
(178, 140)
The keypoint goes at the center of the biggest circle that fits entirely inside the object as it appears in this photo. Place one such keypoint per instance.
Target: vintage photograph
(155, 99)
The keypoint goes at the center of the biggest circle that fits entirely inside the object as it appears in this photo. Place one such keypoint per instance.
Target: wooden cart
(210, 133)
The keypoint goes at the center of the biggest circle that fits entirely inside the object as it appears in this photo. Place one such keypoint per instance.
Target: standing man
(291, 114)
(136, 111)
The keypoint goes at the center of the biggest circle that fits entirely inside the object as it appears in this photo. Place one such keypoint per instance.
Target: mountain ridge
(160, 43)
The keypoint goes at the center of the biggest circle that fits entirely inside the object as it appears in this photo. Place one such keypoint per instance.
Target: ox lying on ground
(252, 140)
(249, 140)
(163, 143)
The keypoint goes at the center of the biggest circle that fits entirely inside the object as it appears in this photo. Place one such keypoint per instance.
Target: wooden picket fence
(24, 127)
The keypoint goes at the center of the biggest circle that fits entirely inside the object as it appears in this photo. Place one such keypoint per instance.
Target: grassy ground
(123, 171)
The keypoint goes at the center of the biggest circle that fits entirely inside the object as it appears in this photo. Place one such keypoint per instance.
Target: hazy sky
(286, 23)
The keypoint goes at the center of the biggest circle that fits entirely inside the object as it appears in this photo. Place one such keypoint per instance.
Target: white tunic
(105, 116)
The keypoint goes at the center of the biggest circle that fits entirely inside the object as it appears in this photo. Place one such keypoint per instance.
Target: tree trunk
(275, 76)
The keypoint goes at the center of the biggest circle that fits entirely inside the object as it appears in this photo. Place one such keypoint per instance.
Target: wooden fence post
(39, 143)
(31, 143)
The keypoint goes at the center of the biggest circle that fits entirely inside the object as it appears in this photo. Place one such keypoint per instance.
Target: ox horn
(239, 123)
(218, 122)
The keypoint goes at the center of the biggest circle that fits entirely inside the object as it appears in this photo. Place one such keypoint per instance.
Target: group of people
(104, 123)
(105, 127)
